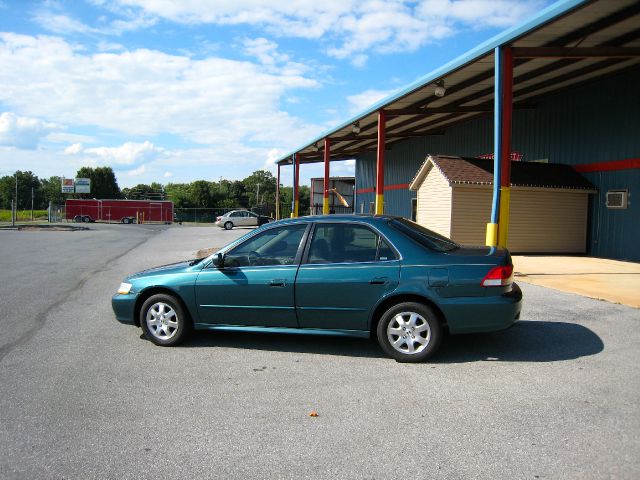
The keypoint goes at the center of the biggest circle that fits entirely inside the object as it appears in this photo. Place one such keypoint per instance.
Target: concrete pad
(600, 278)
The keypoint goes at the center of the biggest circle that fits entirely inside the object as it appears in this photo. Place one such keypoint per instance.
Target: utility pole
(32, 204)
(15, 203)
(257, 194)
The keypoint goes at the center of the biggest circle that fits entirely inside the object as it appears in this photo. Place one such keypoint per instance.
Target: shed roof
(567, 43)
(479, 171)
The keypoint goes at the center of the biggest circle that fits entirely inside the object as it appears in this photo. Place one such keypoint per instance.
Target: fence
(196, 215)
(209, 215)
(56, 213)
(336, 209)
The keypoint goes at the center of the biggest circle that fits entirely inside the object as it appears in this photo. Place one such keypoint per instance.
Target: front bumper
(124, 307)
(483, 314)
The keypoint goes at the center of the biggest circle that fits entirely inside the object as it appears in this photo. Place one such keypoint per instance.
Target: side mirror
(219, 262)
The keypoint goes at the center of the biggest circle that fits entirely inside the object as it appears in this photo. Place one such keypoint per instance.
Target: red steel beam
(327, 159)
(382, 119)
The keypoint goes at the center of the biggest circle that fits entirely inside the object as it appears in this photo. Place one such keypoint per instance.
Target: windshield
(424, 236)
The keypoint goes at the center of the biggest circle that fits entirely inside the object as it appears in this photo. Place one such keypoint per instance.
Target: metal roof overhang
(570, 42)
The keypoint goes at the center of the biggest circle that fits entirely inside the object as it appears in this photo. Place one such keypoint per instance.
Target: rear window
(424, 236)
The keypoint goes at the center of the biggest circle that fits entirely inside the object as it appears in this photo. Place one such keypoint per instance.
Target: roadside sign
(67, 185)
(83, 185)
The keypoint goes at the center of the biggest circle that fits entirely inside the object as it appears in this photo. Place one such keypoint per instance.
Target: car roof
(365, 218)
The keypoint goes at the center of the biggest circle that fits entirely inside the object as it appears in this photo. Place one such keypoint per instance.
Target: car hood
(178, 267)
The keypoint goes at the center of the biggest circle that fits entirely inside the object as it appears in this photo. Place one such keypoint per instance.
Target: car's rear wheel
(164, 321)
(86, 219)
(409, 332)
(228, 226)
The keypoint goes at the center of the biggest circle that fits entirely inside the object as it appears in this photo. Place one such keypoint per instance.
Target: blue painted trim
(303, 331)
(497, 134)
(546, 15)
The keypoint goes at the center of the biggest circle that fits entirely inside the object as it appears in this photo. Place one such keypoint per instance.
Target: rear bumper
(483, 314)
(124, 307)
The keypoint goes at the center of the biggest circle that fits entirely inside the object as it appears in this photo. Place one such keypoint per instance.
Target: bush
(23, 215)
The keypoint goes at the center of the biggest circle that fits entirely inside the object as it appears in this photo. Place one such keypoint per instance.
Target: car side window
(235, 214)
(385, 252)
(344, 243)
(275, 246)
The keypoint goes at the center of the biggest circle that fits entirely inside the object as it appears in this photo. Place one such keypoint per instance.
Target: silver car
(240, 218)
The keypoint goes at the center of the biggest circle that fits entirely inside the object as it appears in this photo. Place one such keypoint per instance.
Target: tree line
(257, 189)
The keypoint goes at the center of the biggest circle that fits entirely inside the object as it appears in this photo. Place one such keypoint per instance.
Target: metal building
(564, 87)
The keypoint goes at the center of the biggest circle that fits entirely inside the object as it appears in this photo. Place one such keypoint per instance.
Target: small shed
(549, 203)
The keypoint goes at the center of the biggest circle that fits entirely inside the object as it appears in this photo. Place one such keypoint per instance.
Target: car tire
(86, 219)
(164, 321)
(125, 220)
(409, 332)
(228, 226)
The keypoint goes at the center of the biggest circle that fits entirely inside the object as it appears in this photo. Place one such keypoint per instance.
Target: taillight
(499, 277)
(218, 219)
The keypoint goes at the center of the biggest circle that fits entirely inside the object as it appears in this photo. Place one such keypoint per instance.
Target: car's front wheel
(409, 332)
(164, 321)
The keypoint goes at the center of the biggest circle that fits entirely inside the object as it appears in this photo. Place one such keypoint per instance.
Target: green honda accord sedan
(348, 274)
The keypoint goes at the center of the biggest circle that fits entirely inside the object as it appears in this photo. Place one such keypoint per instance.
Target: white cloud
(66, 137)
(110, 47)
(364, 100)
(23, 132)
(350, 27)
(266, 51)
(52, 17)
(60, 23)
(73, 149)
(167, 175)
(136, 172)
(272, 157)
(129, 153)
(146, 92)
(478, 13)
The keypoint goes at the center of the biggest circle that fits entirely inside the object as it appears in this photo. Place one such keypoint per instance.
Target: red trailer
(119, 211)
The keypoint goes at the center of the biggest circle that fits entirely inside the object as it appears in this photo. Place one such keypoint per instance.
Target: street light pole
(15, 204)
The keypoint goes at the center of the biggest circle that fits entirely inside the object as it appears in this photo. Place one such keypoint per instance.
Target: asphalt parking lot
(83, 396)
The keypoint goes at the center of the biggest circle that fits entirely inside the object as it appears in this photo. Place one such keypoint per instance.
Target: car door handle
(379, 281)
(278, 282)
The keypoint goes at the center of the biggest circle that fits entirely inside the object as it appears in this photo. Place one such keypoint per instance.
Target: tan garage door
(542, 220)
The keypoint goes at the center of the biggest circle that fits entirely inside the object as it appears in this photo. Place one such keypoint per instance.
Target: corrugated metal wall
(595, 122)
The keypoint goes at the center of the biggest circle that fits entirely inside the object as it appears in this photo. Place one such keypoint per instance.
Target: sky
(183, 90)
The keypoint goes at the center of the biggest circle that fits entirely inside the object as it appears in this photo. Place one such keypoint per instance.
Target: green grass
(23, 215)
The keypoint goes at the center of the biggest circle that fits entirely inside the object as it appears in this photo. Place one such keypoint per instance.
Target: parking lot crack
(41, 318)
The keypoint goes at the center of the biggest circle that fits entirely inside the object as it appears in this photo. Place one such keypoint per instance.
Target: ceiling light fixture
(356, 128)
(315, 147)
(440, 88)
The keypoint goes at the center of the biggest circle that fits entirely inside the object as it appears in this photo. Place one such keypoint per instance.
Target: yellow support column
(492, 235)
(503, 222)
(296, 185)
